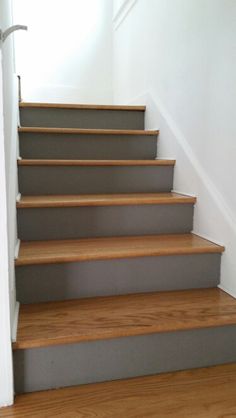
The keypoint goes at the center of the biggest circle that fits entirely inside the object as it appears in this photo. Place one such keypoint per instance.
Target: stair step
(72, 143)
(69, 131)
(104, 163)
(60, 223)
(104, 200)
(68, 322)
(80, 106)
(162, 396)
(82, 116)
(87, 216)
(64, 251)
(60, 177)
(55, 282)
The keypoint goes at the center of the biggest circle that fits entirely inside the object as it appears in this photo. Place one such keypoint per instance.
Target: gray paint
(67, 365)
(76, 118)
(36, 180)
(82, 222)
(93, 147)
(42, 283)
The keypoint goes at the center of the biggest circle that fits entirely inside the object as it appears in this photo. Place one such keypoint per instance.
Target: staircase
(111, 281)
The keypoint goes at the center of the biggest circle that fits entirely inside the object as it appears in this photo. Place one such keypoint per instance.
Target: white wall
(67, 53)
(179, 57)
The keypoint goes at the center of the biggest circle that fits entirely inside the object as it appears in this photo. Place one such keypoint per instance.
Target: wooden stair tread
(198, 393)
(85, 249)
(74, 321)
(34, 162)
(81, 106)
(104, 200)
(69, 131)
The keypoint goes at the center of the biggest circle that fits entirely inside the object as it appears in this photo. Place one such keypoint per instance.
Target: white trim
(147, 98)
(165, 158)
(221, 227)
(17, 248)
(18, 197)
(210, 186)
(184, 193)
(209, 238)
(123, 12)
(6, 366)
(221, 287)
(15, 321)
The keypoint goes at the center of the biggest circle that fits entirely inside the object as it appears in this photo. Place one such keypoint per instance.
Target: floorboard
(200, 393)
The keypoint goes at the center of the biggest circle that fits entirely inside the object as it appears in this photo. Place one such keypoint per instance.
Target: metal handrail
(7, 32)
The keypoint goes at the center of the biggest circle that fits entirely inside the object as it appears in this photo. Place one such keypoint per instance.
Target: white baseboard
(209, 238)
(227, 291)
(15, 321)
(184, 193)
(165, 158)
(214, 220)
(123, 12)
(17, 249)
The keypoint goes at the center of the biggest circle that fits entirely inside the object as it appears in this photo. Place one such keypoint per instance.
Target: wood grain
(85, 249)
(96, 162)
(60, 201)
(200, 393)
(79, 131)
(81, 106)
(74, 321)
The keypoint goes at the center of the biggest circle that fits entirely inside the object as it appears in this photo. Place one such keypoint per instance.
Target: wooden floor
(86, 249)
(53, 201)
(65, 322)
(200, 393)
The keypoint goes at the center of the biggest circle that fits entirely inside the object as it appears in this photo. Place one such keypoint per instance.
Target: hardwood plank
(200, 393)
(96, 162)
(210, 394)
(74, 321)
(81, 106)
(61, 201)
(85, 249)
(87, 131)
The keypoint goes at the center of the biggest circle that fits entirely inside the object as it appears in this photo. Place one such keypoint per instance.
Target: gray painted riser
(43, 283)
(82, 222)
(39, 180)
(88, 119)
(94, 147)
(68, 365)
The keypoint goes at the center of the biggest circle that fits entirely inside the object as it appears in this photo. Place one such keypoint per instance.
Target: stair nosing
(56, 162)
(62, 201)
(158, 303)
(84, 131)
(82, 106)
(93, 249)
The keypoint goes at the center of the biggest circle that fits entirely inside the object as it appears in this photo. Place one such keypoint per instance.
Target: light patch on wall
(60, 34)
